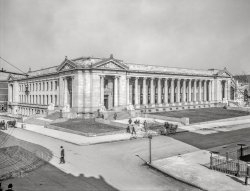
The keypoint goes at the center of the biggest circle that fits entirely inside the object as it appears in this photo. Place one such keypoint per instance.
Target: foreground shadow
(51, 178)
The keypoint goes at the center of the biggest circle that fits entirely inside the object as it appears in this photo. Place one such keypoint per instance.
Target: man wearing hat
(62, 160)
(10, 186)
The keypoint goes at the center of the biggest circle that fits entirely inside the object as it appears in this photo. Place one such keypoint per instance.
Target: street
(115, 162)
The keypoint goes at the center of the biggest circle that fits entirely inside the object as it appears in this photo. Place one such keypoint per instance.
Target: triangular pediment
(10, 77)
(110, 64)
(224, 73)
(66, 65)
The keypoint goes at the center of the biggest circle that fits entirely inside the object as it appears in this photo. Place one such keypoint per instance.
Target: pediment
(224, 73)
(110, 64)
(10, 77)
(66, 65)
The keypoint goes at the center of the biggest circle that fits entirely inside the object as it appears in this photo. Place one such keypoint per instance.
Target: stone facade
(86, 84)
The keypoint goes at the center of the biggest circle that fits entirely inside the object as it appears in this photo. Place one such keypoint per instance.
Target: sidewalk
(73, 138)
(191, 168)
(218, 126)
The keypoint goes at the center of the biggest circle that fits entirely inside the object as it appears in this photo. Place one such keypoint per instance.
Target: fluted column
(184, 91)
(189, 90)
(128, 93)
(228, 89)
(116, 91)
(159, 91)
(195, 90)
(152, 91)
(136, 91)
(144, 91)
(205, 90)
(172, 91)
(199, 91)
(165, 91)
(209, 90)
(65, 92)
(178, 92)
(101, 90)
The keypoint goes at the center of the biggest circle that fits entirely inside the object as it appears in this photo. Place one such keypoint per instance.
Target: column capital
(165, 79)
(102, 76)
(128, 77)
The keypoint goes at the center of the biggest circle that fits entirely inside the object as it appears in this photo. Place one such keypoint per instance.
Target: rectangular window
(51, 84)
(47, 86)
(56, 84)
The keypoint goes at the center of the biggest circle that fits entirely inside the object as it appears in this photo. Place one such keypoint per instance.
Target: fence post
(211, 160)
(227, 158)
(247, 175)
(238, 168)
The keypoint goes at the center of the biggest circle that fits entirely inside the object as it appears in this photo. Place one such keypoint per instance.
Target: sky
(197, 34)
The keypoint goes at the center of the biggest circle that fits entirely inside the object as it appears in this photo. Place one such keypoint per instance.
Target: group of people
(10, 187)
(131, 126)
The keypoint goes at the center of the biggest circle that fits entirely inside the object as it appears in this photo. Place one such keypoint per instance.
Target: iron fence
(229, 165)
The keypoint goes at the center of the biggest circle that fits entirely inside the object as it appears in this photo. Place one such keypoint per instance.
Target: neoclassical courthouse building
(86, 84)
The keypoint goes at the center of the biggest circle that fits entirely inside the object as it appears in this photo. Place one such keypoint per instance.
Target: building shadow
(48, 177)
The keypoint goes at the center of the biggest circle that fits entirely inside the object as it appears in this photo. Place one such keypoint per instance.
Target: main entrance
(109, 92)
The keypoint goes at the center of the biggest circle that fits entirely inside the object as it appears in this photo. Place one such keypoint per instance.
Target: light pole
(150, 148)
(241, 149)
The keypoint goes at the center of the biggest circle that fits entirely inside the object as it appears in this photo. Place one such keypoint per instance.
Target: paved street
(115, 162)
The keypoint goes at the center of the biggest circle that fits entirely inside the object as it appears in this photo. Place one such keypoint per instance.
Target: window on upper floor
(51, 85)
(47, 86)
(56, 84)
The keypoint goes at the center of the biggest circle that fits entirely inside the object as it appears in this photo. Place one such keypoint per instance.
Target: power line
(12, 65)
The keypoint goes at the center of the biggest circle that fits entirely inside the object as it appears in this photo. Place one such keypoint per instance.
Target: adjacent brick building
(3, 91)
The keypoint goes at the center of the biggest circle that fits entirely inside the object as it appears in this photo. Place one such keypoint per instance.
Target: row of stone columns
(39, 99)
(175, 96)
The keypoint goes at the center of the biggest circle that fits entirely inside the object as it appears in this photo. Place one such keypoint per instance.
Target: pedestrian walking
(10, 186)
(145, 125)
(62, 160)
(115, 116)
(133, 130)
(128, 129)
(129, 121)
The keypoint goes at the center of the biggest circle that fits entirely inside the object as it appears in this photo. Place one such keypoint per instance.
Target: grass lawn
(216, 139)
(204, 114)
(87, 126)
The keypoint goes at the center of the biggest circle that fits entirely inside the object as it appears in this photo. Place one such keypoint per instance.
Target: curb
(174, 177)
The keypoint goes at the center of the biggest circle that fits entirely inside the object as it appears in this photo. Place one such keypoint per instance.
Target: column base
(178, 104)
(151, 105)
(137, 106)
(159, 105)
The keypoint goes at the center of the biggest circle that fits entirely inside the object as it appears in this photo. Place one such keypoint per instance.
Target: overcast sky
(199, 34)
